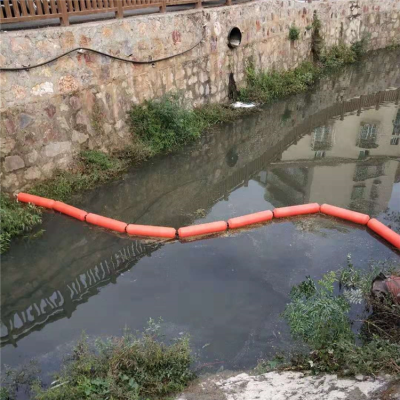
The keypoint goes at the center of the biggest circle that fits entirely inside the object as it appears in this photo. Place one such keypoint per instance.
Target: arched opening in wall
(234, 37)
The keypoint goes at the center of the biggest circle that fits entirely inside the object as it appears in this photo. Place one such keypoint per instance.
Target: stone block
(32, 173)
(54, 149)
(12, 163)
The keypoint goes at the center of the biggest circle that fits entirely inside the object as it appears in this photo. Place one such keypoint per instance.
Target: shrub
(294, 33)
(360, 48)
(337, 56)
(164, 124)
(320, 318)
(316, 315)
(131, 367)
(16, 218)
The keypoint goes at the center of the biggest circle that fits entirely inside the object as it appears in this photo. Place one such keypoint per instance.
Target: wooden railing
(12, 11)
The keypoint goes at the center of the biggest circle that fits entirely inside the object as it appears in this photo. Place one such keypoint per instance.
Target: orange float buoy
(202, 229)
(106, 222)
(384, 231)
(69, 210)
(249, 219)
(291, 211)
(342, 213)
(36, 200)
(151, 231)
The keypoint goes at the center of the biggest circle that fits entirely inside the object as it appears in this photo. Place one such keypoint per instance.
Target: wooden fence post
(198, 4)
(64, 14)
(120, 12)
(228, 2)
(163, 7)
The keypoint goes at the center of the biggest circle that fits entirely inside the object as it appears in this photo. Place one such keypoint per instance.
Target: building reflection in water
(349, 163)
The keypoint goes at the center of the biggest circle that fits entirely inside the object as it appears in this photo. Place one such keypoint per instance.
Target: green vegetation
(294, 33)
(131, 367)
(319, 317)
(168, 123)
(317, 42)
(267, 86)
(16, 219)
(92, 168)
(157, 126)
(164, 124)
(127, 368)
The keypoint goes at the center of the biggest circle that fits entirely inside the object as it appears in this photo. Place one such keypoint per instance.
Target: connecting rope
(78, 49)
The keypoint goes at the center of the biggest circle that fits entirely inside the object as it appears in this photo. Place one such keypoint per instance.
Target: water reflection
(34, 312)
(312, 147)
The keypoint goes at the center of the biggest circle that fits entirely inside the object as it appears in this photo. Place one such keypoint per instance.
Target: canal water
(337, 144)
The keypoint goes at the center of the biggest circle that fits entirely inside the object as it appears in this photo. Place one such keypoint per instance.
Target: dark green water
(329, 145)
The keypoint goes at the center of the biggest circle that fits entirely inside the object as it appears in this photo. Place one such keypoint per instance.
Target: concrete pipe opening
(234, 38)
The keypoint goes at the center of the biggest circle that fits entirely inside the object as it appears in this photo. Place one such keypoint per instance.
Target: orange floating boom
(36, 200)
(69, 210)
(382, 230)
(105, 222)
(151, 231)
(292, 211)
(202, 229)
(250, 219)
(342, 213)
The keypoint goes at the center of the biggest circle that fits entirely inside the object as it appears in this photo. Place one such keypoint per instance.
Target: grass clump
(213, 114)
(267, 86)
(294, 33)
(131, 367)
(16, 219)
(92, 168)
(164, 124)
(319, 317)
(167, 123)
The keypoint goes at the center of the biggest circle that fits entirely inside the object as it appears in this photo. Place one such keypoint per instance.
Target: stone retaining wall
(50, 113)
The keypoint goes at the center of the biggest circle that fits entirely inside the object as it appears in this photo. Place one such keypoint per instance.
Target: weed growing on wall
(92, 168)
(317, 42)
(16, 219)
(294, 33)
(165, 123)
(267, 86)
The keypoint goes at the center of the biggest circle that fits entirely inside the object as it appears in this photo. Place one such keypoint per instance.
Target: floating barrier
(250, 219)
(105, 222)
(292, 211)
(202, 229)
(342, 213)
(213, 227)
(151, 231)
(36, 200)
(385, 232)
(69, 210)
